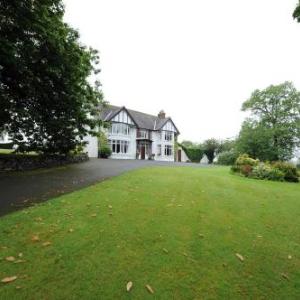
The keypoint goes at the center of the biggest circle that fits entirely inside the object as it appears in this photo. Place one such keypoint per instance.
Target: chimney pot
(162, 114)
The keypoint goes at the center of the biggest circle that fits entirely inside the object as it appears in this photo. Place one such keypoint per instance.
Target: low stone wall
(18, 162)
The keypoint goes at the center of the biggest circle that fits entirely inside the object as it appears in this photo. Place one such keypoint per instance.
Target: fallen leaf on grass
(165, 250)
(94, 215)
(239, 256)
(39, 219)
(285, 276)
(109, 206)
(20, 254)
(35, 238)
(201, 235)
(19, 261)
(9, 279)
(18, 287)
(129, 286)
(290, 257)
(10, 258)
(46, 244)
(149, 288)
(71, 230)
(185, 254)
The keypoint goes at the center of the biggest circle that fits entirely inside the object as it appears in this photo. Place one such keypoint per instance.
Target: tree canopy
(273, 130)
(296, 14)
(47, 103)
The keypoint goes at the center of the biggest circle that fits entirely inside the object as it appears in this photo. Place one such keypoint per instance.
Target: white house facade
(136, 135)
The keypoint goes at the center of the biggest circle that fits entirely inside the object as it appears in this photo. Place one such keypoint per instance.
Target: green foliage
(277, 171)
(274, 124)
(289, 170)
(194, 154)
(105, 151)
(226, 145)
(44, 92)
(210, 148)
(256, 140)
(245, 159)
(296, 13)
(267, 172)
(6, 146)
(227, 158)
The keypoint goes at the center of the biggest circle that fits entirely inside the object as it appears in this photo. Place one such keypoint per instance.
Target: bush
(227, 158)
(245, 159)
(105, 152)
(246, 170)
(265, 171)
(289, 170)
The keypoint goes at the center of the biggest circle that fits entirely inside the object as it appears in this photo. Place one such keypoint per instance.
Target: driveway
(21, 189)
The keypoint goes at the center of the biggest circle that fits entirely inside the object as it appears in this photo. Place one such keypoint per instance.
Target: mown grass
(120, 230)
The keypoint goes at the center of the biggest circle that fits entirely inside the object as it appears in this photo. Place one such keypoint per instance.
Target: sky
(197, 60)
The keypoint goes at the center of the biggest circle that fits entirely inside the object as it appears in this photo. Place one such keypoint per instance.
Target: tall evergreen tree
(46, 101)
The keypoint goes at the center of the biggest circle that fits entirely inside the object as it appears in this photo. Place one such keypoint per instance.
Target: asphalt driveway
(21, 189)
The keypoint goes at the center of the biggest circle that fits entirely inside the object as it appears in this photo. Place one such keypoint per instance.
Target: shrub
(246, 170)
(245, 159)
(289, 170)
(105, 152)
(227, 158)
(265, 171)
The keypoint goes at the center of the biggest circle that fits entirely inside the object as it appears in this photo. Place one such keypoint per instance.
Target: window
(168, 150)
(143, 134)
(119, 129)
(168, 136)
(118, 146)
(159, 150)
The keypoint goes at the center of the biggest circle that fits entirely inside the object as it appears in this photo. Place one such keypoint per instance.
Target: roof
(142, 120)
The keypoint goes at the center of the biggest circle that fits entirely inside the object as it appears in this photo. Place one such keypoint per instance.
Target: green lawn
(176, 229)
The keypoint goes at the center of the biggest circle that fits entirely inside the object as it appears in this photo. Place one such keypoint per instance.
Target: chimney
(162, 114)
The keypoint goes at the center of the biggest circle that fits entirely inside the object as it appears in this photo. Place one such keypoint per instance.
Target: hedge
(6, 146)
(194, 154)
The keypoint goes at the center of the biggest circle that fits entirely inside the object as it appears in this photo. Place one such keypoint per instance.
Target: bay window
(119, 146)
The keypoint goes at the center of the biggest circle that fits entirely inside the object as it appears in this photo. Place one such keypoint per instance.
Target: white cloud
(198, 60)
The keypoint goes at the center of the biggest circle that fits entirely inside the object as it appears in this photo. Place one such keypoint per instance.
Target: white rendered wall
(159, 140)
(91, 147)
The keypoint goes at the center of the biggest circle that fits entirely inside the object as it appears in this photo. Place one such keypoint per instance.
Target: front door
(179, 155)
(143, 151)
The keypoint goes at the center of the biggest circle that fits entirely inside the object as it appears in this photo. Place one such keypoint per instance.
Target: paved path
(21, 189)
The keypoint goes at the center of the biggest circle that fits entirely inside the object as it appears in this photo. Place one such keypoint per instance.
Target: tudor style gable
(123, 117)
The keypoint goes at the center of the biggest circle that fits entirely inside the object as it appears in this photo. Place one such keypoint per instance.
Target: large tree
(210, 148)
(296, 14)
(275, 117)
(46, 101)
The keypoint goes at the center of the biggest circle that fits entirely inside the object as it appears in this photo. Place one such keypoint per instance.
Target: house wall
(184, 157)
(91, 148)
(131, 138)
(158, 139)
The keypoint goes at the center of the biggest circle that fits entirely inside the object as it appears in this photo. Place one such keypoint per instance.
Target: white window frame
(159, 150)
(119, 146)
(119, 129)
(168, 150)
(168, 136)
